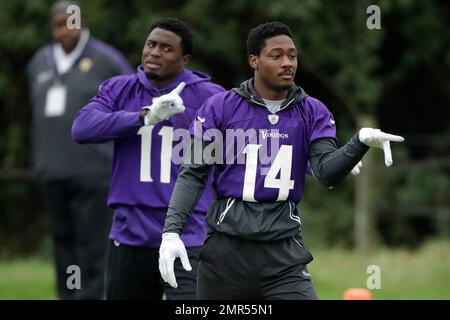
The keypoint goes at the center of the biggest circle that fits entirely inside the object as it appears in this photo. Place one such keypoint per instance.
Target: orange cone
(357, 294)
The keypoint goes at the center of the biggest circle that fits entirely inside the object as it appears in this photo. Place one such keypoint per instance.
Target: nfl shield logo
(273, 118)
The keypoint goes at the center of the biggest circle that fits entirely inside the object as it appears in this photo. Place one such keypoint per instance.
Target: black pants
(79, 224)
(132, 273)
(233, 268)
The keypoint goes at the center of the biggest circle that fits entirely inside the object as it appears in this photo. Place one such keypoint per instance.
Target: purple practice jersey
(143, 173)
(264, 155)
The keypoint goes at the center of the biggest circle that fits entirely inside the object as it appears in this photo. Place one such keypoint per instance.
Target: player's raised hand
(171, 248)
(165, 106)
(178, 89)
(378, 139)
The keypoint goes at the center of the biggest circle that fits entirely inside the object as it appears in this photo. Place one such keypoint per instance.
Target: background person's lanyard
(55, 103)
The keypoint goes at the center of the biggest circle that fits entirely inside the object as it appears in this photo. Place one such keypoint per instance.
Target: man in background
(63, 75)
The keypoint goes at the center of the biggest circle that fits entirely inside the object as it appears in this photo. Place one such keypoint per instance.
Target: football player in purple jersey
(141, 113)
(253, 249)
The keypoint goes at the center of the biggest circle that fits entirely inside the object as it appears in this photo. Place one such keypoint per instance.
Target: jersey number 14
(282, 165)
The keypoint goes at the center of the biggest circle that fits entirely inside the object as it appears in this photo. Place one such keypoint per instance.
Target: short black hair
(178, 27)
(256, 39)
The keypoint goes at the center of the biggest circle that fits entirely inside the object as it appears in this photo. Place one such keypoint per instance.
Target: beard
(152, 76)
(277, 87)
(280, 88)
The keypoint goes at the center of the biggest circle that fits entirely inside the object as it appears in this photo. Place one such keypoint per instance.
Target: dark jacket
(55, 154)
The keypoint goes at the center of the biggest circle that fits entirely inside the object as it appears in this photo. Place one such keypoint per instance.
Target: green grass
(27, 279)
(419, 274)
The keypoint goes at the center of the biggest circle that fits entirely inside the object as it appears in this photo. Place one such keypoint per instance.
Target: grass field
(419, 274)
(27, 279)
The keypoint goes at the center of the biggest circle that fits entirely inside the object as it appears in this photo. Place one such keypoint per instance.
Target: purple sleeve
(207, 118)
(102, 120)
(323, 124)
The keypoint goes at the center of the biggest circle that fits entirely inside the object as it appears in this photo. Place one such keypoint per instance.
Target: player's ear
(253, 61)
(185, 59)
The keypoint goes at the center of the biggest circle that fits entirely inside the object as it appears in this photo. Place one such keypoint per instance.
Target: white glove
(378, 139)
(172, 247)
(165, 106)
(357, 169)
